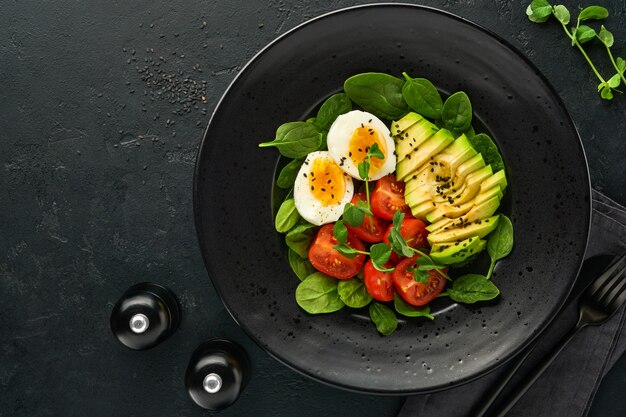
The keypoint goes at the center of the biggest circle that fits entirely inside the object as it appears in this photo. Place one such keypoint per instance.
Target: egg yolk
(360, 143)
(326, 181)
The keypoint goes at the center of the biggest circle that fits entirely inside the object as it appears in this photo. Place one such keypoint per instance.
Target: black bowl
(548, 198)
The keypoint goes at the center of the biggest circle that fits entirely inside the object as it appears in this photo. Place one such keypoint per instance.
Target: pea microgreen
(539, 11)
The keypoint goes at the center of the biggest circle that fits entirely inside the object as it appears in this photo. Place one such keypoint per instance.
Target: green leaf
(299, 238)
(419, 275)
(296, 139)
(500, 241)
(353, 293)
(561, 13)
(457, 112)
(301, 266)
(408, 310)
(621, 65)
(593, 13)
(470, 133)
(377, 93)
(606, 37)
(471, 288)
(364, 207)
(422, 96)
(333, 107)
(585, 33)
(375, 152)
(318, 294)
(484, 145)
(346, 250)
(614, 81)
(340, 231)
(287, 216)
(606, 92)
(398, 244)
(398, 216)
(288, 174)
(379, 254)
(384, 318)
(539, 11)
(364, 169)
(352, 215)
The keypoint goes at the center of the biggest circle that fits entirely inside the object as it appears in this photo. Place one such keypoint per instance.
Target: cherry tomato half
(411, 291)
(327, 260)
(372, 228)
(388, 197)
(378, 284)
(414, 233)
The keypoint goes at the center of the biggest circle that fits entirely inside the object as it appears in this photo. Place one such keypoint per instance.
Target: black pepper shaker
(145, 315)
(217, 373)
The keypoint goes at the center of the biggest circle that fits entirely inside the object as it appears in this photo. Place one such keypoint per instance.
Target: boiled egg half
(350, 138)
(321, 189)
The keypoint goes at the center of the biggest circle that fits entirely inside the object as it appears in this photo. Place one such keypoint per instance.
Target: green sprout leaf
(364, 169)
(606, 37)
(340, 231)
(561, 13)
(585, 33)
(621, 65)
(353, 215)
(375, 152)
(614, 81)
(379, 254)
(593, 13)
(346, 250)
(539, 11)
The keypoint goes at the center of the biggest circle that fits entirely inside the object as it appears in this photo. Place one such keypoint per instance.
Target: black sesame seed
(312, 188)
(304, 174)
(323, 189)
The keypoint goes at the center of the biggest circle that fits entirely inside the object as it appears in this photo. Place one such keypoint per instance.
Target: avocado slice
(451, 253)
(470, 187)
(409, 140)
(447, 210)
(477, 210)
(496, 180)
(432, 146)
(404, 123)
(480, 228)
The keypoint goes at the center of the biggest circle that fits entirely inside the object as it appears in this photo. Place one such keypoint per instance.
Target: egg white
(310, 208)
(339, 136)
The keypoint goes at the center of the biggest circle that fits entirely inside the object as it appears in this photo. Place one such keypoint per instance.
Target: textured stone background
(102, 108)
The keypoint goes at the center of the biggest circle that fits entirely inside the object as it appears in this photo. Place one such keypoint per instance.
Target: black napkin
(567, 388)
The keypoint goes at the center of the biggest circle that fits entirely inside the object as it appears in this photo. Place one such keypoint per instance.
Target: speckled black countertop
(103, 106)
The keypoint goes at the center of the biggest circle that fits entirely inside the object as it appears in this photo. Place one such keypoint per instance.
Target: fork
(600, 301)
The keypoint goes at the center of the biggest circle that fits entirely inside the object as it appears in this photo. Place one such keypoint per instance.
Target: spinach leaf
(408, 310)
(296, 139)
(288, 174)
(377, 93)
(384, 318)
(470, 132)
(287, 216)
(500, 242)
(353, 293)
(299, 238)
(457, 112)
(422, 96)
(301, 266)
(483, 144)
(471, 288)
(333, 107)
(318, 294)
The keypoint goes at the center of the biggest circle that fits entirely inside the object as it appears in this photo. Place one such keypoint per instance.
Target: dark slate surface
(102, 108)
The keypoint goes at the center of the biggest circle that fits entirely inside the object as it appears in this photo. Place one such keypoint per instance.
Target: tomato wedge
(329, 261)
(411, 291)
(378, 284)
(373, 228)
(388, 197)
(414, 233)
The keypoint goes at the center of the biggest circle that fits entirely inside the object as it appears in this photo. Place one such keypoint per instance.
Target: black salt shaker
(217, 373)
(145, 315)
